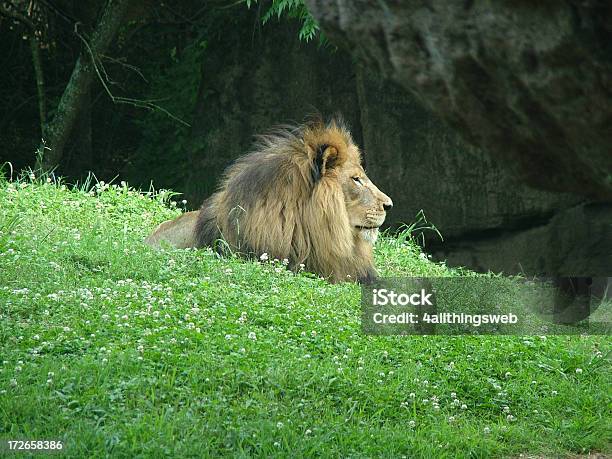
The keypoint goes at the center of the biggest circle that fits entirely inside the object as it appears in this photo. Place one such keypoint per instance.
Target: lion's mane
(285, 199)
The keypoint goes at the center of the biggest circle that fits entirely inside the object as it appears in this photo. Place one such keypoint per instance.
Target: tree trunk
(37, 61)
(40, 83)
(78, 154)
(75, 95)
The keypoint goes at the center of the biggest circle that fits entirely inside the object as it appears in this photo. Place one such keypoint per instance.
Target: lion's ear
(325, 160)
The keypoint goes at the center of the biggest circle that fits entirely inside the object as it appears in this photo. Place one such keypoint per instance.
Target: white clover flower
(453, 395)
(308, 432)
(264, 256)
(411, 423)
(578, 370)
(486, 430)
(279, 425)
(252, 336)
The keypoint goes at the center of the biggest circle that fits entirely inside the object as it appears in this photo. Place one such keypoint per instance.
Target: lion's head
(301, 195)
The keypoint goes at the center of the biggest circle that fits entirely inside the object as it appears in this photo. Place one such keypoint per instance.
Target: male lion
(300, 195)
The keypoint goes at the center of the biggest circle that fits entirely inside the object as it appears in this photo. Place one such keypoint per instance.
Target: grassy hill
(119, 350)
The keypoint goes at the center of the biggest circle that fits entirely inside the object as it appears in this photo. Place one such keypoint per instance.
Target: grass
(122, 351)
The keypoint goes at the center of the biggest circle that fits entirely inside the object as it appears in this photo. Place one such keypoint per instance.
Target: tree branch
(58, 130)
(149, 105)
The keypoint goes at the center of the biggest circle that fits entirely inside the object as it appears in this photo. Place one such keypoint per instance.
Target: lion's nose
(387, 205)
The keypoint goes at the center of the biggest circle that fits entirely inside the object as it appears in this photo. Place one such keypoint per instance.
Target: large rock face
(574, 242)
(424, 165)
(529, 82)
(489, 219)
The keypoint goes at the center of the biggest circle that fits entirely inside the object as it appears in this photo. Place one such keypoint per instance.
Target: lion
(301, 196)
(178, 233)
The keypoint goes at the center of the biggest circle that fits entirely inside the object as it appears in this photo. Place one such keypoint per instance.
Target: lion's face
(366, 205)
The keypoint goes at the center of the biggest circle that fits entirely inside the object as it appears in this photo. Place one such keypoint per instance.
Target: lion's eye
(358, 180)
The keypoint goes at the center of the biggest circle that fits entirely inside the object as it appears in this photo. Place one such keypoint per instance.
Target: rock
(574, 242)
(415, 158)
(529, 83)
(424, 165)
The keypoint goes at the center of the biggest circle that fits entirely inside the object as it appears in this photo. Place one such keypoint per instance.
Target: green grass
(122, 351)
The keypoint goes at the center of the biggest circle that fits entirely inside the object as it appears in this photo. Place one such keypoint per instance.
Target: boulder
(530, 83)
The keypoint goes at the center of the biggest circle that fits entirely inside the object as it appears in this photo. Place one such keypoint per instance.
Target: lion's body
(297, 197)
(179, 232)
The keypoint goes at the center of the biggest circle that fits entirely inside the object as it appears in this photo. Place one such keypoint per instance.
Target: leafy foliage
(295, 9)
